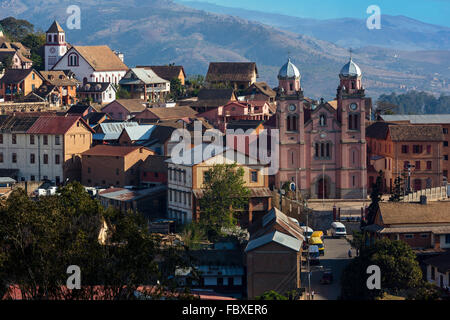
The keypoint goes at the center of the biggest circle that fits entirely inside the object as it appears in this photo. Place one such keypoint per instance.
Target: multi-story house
(44, 148)
(186, 184)
(145, 84)
(422, 226)
(118, 166)
(18, 83)
(432, 120)
(65, 83)
(412, 150)
(236, 75)
(235, 111)
(168, 72)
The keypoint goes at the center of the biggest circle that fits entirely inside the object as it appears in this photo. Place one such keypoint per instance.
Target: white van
(307, 231)
(294, 221)
(338, 229)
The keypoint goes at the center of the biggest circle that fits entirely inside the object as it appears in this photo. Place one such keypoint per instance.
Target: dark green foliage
(194, 84)
(399, 270)
(177, 90)
(16, 29)
(398, 192)
(40, 239)
(225, 193)
(271, 295)
(122, 93)
(415, 102)
(35, 42)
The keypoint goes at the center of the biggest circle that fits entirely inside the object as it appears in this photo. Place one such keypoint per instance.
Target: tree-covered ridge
(415, 102)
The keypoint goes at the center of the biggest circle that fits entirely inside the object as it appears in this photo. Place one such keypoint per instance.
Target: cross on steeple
(351, 53)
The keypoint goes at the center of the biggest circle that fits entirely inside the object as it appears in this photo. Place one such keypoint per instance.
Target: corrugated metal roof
(141, 132)
(419, 118)
(278, 237)
(55, 124)
(147, 76)
(131, 195)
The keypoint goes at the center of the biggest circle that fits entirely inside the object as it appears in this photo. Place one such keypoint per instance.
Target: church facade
(323, 144)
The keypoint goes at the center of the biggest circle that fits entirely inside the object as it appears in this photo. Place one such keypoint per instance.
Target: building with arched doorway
(322, 143)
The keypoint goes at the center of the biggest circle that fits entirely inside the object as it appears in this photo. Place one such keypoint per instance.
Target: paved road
(336, 258)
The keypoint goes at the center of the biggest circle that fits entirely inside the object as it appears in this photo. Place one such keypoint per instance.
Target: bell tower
(290, 122)
(55, 46)
(351, 102)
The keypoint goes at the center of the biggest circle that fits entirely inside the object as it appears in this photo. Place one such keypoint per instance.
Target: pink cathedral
(323, 144)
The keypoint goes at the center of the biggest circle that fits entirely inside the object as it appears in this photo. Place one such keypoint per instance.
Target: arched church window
(353, 84)
(73, 59)
(291, 86)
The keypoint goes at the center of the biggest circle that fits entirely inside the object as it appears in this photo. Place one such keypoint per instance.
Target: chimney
(120, 55)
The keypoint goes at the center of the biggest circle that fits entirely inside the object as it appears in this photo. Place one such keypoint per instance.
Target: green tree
(224, 195)
(35, 42)
(16, 29)
(397, 194)
(121, 93)
(271, 295)
(177, 90)
(194, 84)
(399, 270)
(40, 239)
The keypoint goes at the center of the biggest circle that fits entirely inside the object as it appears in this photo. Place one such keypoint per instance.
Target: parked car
(307, 231)
(317, 234)
(319, 243)
(338, 229)
(314, 255)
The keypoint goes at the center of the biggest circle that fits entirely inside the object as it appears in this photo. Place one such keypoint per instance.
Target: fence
(432, 194)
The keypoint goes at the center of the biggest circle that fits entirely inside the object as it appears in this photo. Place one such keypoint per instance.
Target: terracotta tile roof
(415, 213)
(173, 113)
(55, 124)
(111, 150)
(58, 78)
(101, 58)
(416, 133)
(231, 71)
(132, 105)
(166, 72)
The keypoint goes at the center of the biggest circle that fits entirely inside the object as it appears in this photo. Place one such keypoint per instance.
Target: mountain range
(162, 31)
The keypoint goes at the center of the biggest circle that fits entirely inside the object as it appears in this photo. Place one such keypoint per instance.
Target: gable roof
(111, 151)
(55, 124)
(414, 213)
(277, 237)
(111, 130)
(231, 71)
(58, 78)
(141, 132)
(43, 91)
(15, 76)
(15, 123)
(173, 113)
(131, 105)
(244, 124)
(416, 133)
(166, 72)
(378, 130)
(100, 58)
(142, 76)
(262, 87)
(213, 97)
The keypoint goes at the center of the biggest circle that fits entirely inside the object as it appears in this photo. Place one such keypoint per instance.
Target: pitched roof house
(124, 109)
(19, 82)
(93, 64)
(151, 115)
(168, 72)
(145, 84)
(239, 75)
(423, 227)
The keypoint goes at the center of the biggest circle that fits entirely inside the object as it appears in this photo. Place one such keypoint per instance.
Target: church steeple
(55, 46)
(289, 78)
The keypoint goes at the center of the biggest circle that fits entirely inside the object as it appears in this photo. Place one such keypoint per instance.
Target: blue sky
(431, 11)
